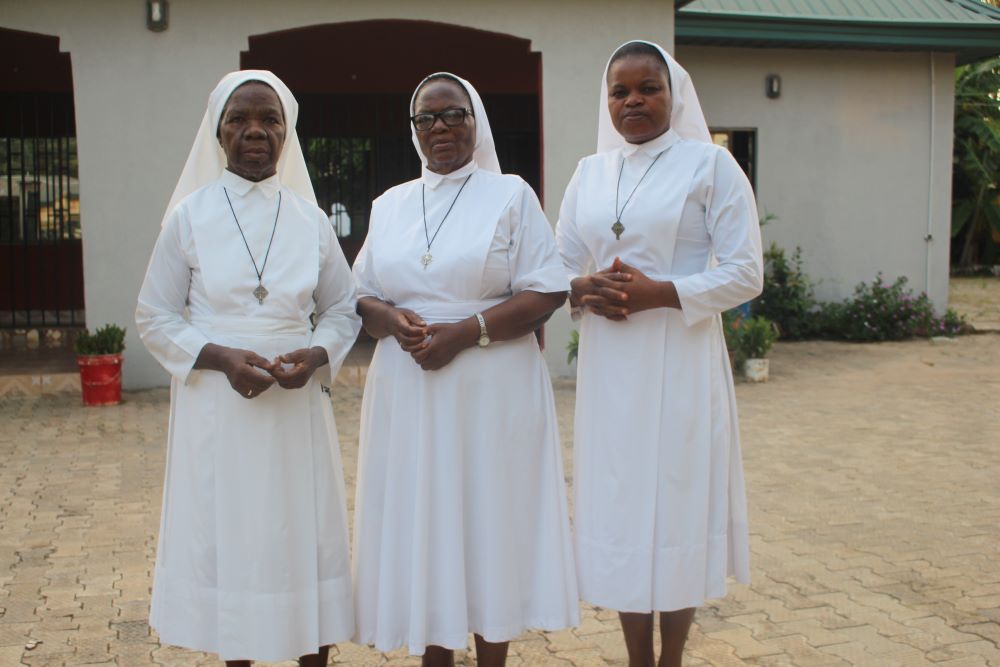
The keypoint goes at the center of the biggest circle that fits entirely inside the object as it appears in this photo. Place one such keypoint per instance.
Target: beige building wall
(140, 95)
(854, 157)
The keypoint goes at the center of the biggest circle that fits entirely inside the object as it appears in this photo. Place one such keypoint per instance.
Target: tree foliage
(975, 216)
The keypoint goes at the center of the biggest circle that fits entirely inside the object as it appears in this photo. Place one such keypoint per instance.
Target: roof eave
(969, 43)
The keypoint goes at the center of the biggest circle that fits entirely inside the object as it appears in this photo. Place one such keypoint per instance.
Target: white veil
(686, 117)
(207, 160)
(485, 154)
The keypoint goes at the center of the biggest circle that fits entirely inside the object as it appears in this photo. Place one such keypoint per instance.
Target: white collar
(241, 186)
(433, 179)
(653, 147)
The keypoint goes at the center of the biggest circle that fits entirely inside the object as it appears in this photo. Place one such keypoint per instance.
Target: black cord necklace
(618, 227)
(260, 292)
(427, 257)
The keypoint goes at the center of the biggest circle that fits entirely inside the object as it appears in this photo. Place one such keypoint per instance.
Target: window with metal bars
(41, 264)
(742, 143)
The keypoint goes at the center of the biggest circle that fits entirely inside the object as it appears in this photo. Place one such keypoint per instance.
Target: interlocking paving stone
(874, 511)
(15, 634)
(132, 632)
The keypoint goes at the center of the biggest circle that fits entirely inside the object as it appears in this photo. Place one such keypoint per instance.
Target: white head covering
(485, 154)
(207, 160)
(686, 118)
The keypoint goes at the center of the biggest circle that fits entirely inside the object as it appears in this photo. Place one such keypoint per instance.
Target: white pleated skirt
(253, 556)
(661, 516)
(461, 517)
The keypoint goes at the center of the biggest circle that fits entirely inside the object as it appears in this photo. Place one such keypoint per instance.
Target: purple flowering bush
(881, 311)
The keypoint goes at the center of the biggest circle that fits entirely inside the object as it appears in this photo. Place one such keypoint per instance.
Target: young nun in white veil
(252, 561)
(669, 223)
(461, 522)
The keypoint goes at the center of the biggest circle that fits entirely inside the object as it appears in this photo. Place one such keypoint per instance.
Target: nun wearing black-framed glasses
(461, 519)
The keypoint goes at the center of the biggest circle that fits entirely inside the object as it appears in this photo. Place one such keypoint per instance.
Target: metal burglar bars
(358, 146)
(742, 143)
(41, 268)
(354, 118)
(344, 140)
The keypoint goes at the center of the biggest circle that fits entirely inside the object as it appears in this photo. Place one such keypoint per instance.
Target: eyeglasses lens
(450, 117)
(453, 117)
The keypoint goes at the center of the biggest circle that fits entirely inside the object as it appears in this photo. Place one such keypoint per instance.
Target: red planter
(100, 378)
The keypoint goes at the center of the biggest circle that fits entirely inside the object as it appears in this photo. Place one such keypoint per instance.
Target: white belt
(240, 325)
(434, 312)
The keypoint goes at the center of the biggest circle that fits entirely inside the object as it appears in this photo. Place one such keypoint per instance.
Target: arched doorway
(41, 260)
(354, 88)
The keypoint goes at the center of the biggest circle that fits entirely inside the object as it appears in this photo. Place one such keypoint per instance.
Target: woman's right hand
(240, 366)
(381, 318)
(602, 293)
(408, 328)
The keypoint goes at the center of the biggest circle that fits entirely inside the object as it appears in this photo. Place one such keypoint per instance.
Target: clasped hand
(432, 346)
(619, 291)
(250, 374)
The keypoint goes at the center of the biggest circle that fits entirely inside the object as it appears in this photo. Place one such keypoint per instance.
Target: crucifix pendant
(618, 228)
(426, 259)
(260, 293)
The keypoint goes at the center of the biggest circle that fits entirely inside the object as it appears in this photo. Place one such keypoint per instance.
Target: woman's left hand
(444, 343)
(304, 362)
(643, 292)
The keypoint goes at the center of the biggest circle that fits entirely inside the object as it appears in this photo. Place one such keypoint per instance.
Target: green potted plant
(731, 321)
(99, 356)
(573, 346)
(754, 339)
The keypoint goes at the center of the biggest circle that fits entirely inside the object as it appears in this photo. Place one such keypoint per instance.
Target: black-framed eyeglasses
(450, 117)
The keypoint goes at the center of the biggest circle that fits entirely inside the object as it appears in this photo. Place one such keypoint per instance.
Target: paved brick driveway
(874, 483)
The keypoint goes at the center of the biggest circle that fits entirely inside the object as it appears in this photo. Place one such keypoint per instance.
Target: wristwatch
(484, 336)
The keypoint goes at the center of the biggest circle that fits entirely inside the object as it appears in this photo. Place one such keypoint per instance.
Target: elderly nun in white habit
(461, 523)
(660, 234)
(253, 557)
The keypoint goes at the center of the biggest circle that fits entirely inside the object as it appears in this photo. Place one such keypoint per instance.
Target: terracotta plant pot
(100, 378)
(755, 370)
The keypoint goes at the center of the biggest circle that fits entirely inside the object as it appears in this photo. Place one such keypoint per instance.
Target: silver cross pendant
(260, 293)
(618, 228)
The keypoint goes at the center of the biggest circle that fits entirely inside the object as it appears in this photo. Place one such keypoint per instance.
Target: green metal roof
(969, 28)
(926, 11)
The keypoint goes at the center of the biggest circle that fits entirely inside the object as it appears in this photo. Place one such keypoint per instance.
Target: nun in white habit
(253, 556)
(669, 223)
(461, 522)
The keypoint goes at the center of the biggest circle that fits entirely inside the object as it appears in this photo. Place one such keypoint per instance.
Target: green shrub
(109, 339)
(881, 311)
(731, 320)
(953, 324)
(787, 298)
(827, 319)
(573, 346)
(755, 337)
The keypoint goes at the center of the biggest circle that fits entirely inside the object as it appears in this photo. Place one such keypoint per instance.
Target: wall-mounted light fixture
(772, 86)
(157, 15)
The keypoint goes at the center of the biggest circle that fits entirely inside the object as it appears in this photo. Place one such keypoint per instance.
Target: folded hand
(443, 343)
(604, 293)
(243, 370)
(303, 363)
(408, 328)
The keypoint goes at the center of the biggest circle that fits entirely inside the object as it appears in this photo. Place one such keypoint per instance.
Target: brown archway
(41, 259)
(354, 81)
